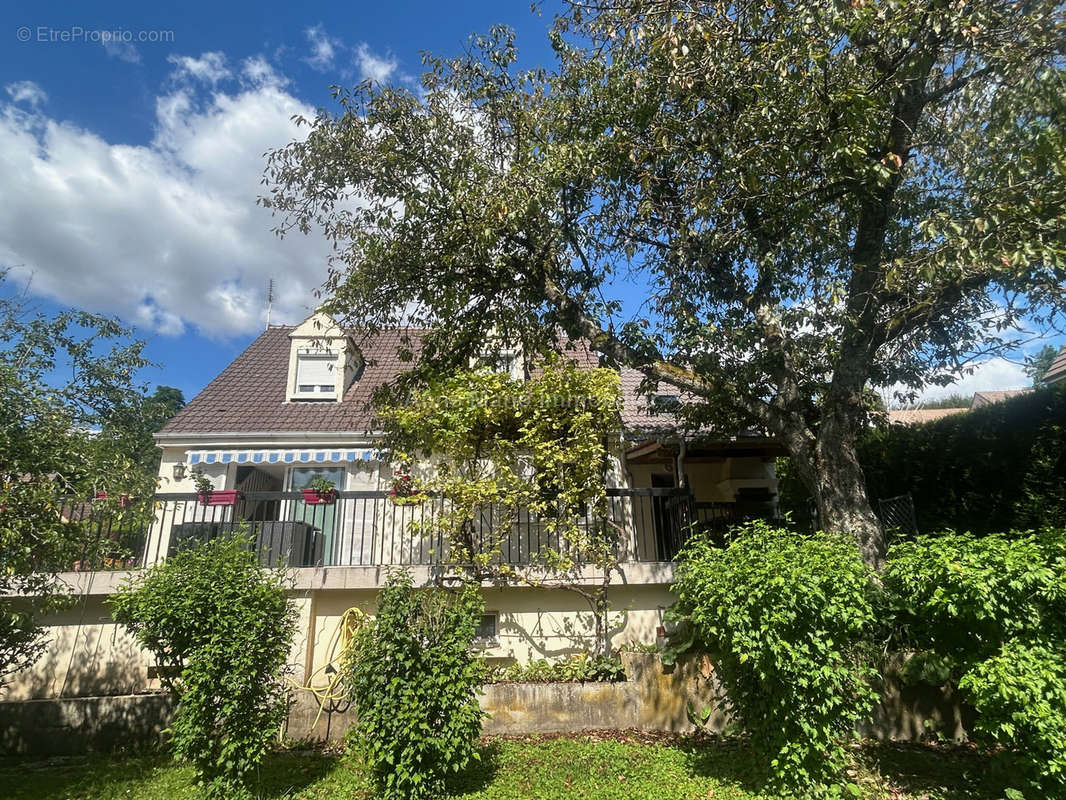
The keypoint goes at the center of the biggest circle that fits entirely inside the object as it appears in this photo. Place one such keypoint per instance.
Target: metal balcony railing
(371, 529)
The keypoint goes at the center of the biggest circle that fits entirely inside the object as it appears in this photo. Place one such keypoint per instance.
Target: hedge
(999, 467)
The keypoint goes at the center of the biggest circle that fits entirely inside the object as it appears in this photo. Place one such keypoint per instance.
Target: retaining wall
(650, 699)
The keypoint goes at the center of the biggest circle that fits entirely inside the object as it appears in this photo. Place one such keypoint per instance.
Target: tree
(815, 199)
(171, 398)
(69, 408)
(955, 400)
(1036, 367)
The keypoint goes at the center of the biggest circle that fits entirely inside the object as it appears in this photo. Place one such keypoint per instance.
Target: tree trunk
(840, 490)
(829, 468)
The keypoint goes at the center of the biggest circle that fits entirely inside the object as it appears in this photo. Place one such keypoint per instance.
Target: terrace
(369, 529)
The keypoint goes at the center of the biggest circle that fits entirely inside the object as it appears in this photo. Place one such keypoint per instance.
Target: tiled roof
(918, 415)
(248, 396)
(1057, 371)
(988, 398)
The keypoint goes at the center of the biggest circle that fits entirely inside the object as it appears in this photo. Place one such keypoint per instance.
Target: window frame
(300, 392)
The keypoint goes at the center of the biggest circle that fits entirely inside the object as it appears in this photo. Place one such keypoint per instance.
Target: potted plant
(124, 500)
(320, 491)
(209, 495)
(404, 490)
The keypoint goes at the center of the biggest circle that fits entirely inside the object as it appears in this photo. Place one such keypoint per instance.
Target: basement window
(488, 629)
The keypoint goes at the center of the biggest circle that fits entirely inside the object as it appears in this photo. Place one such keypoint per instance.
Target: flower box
(406, 499)
(219, 497)
(123, 499)
(320, 497)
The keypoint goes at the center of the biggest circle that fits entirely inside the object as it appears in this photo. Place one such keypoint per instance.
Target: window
(316, 375)
(487, 628)
(502, 361)
(665, 404)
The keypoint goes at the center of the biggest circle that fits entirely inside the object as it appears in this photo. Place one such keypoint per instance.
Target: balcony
(367, 529)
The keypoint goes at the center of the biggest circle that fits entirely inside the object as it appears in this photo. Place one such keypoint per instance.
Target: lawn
(594, 767)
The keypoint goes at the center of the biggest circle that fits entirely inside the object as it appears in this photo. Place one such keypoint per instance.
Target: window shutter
(316, 371)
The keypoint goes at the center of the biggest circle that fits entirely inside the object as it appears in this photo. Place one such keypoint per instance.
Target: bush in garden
(785, 620)
(414, 678)
(1020, 697)
(994, 468)
(220, 628)
(989, 613)
(576, 669)
(963, 596)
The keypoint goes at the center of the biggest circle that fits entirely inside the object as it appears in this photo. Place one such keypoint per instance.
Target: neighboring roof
(248, 396)
(916, 416)
(988, 398)
(1056, 373)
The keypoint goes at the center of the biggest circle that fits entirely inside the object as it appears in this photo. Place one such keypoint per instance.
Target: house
(982, 399)
(1056, 373)
(916, 416)
(295, 405)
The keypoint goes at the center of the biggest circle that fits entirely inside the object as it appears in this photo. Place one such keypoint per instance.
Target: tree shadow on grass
(942, 772)
(479, 774)
(285, 774)
(726, 759)
(86, 777)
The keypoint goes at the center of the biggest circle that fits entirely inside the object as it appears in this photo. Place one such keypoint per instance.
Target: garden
(798, 629)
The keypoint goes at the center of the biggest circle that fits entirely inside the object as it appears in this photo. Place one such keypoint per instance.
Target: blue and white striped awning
(329, 456)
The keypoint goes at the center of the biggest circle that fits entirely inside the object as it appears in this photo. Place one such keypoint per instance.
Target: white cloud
(374, 67)
(124, 51)
(166, 234)
(208, 68)
(26, 92)
(259, 72)
(992, 374)
(323, 47)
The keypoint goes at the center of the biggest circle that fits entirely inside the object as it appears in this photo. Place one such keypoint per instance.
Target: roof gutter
(220, 438)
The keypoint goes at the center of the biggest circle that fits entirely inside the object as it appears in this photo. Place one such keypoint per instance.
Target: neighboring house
(1056, 373)
(982, 399)
(916, 416)
(296, 405)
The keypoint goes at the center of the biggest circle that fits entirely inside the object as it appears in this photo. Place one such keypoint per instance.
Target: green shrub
(964, 596)
(220, 629)
(989, 613)
(580, 668)
(784, 619)
(1020, 697)
(414, 678)
(994, 468)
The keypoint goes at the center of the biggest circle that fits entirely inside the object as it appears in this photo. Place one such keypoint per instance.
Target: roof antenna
(270, 299)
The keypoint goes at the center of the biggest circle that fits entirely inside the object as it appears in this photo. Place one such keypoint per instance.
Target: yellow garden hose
(350, 622)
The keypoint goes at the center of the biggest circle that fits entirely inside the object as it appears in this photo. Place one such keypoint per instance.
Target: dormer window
(316, 375)
(323, 361)
(665, 403)
(502, 361)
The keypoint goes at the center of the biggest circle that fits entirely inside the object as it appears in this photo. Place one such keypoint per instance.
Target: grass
(594, 767)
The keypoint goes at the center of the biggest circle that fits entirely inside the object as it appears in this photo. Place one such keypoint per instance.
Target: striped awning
(329, 456)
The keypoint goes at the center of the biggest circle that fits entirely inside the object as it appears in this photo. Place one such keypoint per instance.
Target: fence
(372, 529)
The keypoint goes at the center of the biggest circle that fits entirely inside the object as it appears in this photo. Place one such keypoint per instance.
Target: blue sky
(129, 169)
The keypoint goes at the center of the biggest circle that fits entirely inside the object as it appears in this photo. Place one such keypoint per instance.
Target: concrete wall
(88, 654)
(651, 699)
